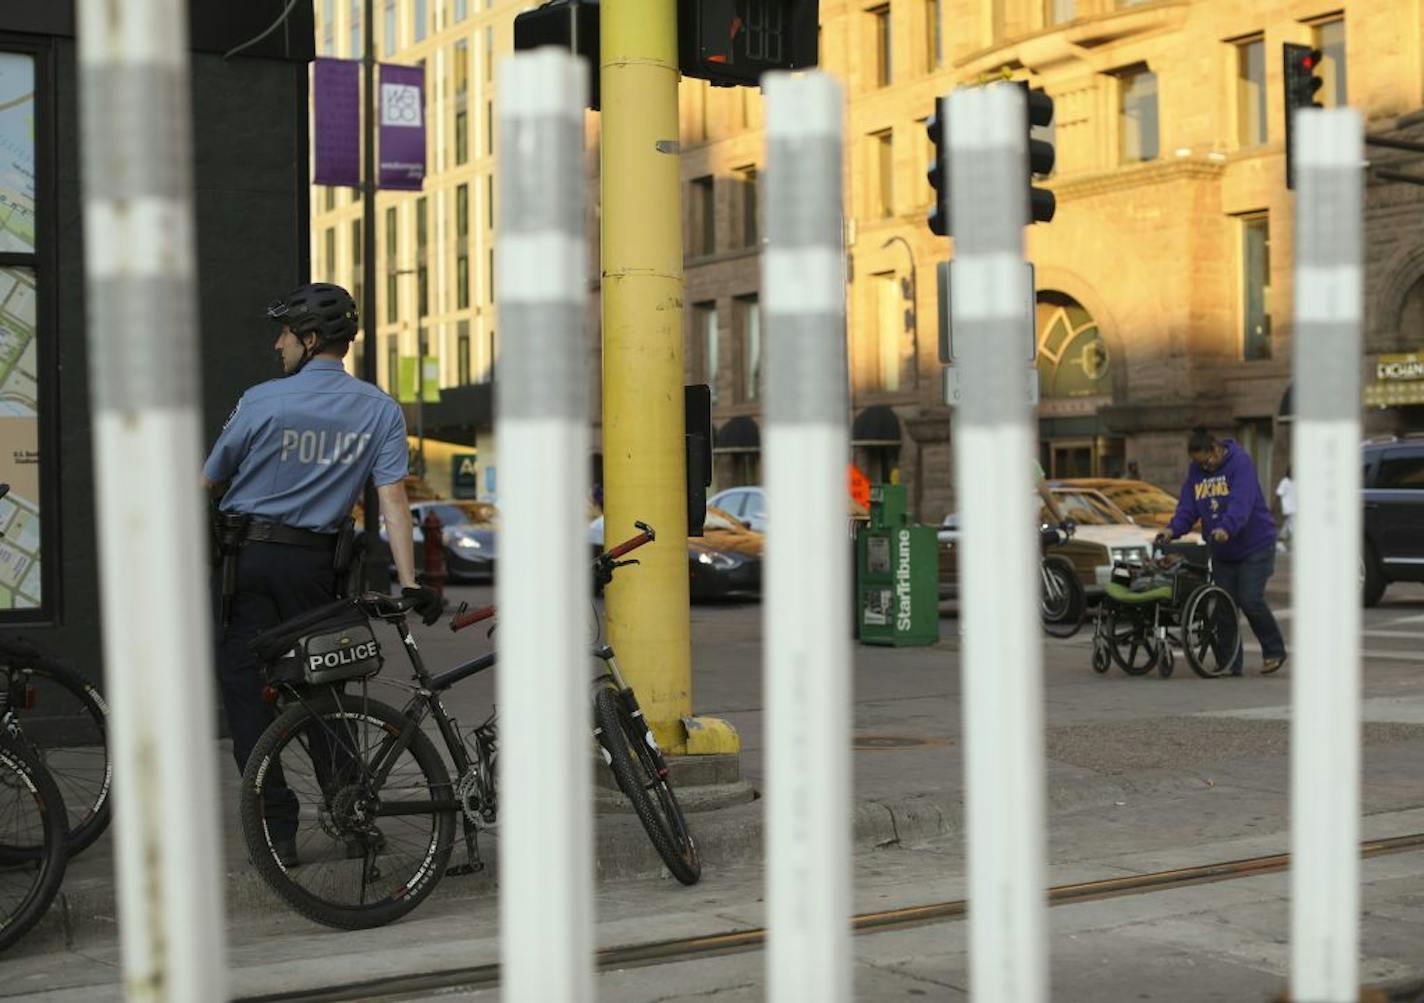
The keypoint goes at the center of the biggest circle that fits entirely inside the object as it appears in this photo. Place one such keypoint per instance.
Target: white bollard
(546, 827)
(807, 632)
(1001, 664)
(1325, 653)
(145, 393)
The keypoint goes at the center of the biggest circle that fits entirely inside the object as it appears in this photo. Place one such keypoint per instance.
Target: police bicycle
(358, 790)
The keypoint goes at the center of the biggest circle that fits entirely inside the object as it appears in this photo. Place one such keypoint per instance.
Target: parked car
(1146, 504)
(1091, 560)
(724, 563)
(469, 532)
(745, 503)
(1394, 514)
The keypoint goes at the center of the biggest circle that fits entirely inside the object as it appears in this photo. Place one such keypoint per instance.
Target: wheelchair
(1167, 603)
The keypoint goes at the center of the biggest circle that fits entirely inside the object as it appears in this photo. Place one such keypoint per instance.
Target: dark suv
(1394, 513)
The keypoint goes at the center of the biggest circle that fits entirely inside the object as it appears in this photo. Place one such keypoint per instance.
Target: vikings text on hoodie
(1229, 498)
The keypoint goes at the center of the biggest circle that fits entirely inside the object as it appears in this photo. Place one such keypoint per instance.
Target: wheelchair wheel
(1131, 642)
(1211, 635)
(1167, 661)
(1102, 652)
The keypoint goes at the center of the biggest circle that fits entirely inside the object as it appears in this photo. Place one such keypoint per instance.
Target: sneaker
(1272, 664)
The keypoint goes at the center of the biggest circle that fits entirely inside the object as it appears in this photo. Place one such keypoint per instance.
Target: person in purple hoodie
(1223, 492)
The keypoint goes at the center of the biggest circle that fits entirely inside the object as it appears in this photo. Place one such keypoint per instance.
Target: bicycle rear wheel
(32, 849)
(371, 826)
(642, 777)
(1211, 634)
(66, 721)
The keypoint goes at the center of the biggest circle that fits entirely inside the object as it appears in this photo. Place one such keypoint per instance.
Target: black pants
(275, 582)
(1246, 581)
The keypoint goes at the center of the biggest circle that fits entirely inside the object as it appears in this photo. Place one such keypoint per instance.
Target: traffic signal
(568, 24)
(1302, 63)
(1041, 202)
(733, 42)
(937, 125)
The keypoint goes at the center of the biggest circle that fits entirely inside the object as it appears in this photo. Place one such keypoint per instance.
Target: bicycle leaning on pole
(360, 788)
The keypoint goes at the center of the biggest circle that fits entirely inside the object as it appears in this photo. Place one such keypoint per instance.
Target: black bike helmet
(319, 308)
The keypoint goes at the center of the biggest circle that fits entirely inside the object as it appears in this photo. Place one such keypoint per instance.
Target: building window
(703, 230)
(882, 158)
(884, 68)
(353, 22)
(329, 249)
(422, 290)
(461, 67)
(462, 211)
(1138, 115)
(462, 10)
(491, 284)
(489, 201)
(704, 326)
(1256, 286)
(1330, 40)
(462, 137)
(464, 372)
(420, 19)
(462, 282)
(328, 28)
(1251, 92)
(391, 237)
(356, 247)
(749, 321)
(491, 355)
(934, 34)
(489, 128)
(392, 366)
(889, 328)
(1059, 11)
(388, 28)
(421, 228)
(489, 55)
(748, 185)
(328, 197)
(392, 297)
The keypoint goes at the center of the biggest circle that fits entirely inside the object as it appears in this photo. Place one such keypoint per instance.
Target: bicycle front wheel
(642, 777)
(349, 827)
(32, 850)
(1062, 601)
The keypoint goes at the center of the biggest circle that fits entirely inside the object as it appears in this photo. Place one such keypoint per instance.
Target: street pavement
(1144, 774)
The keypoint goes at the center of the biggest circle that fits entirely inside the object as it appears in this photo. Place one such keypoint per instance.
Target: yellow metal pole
(643, 460)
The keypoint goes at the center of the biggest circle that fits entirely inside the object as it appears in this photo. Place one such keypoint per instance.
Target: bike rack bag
(326, 645)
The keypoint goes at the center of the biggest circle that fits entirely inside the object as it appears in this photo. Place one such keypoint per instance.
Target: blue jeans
(1245, 580)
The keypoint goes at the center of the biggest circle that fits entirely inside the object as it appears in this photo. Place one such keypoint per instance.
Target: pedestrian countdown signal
(733, 42)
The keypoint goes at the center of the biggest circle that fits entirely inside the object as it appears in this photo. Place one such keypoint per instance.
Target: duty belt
(232, 530)
(260, 531)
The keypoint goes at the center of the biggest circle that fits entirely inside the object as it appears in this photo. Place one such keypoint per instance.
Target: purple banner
(402, 146)
(337, 140)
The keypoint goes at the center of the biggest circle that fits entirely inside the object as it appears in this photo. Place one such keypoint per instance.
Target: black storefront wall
(251, 201)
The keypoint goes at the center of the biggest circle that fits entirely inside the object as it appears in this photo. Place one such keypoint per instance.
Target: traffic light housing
(937, 125)
(1042, 203)
(568, 24)
(1302, 64)
(732, 43)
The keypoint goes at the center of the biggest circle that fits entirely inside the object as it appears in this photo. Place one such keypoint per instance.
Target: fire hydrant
(434, 531)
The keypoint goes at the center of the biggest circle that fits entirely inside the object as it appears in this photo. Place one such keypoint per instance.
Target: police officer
(296, 453)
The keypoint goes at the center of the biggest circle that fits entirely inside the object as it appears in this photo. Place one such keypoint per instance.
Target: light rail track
(662, 952)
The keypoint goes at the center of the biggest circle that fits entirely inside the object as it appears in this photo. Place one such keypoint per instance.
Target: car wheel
(1372, 580)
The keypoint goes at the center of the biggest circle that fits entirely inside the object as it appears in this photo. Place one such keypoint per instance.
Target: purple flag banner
(337, 141)
(402, 145)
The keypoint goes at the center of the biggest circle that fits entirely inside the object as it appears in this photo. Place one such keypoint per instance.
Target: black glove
(1161, 540)
(1068, 526)
(427, 603)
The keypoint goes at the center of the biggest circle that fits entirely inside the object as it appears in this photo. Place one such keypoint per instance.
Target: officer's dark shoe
(285, 850)
(372, 843)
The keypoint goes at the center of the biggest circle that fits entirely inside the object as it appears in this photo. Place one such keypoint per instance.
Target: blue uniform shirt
(298, 450)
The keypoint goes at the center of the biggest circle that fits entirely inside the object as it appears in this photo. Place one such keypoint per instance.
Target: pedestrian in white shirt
(1285, 491)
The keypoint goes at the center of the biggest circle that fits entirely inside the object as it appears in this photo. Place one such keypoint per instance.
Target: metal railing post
(145, 393)
(1325, 682)
(807, 633)
(546, 827)
(1001, 663)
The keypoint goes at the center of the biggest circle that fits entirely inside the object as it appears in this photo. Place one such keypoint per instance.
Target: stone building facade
(1164, 282)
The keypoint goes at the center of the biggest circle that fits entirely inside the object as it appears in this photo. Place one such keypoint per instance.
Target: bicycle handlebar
(381, 605)
(604, 562)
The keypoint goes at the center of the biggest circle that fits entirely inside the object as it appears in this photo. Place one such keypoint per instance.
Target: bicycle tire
(635, 771)
(1065, 617)
(335, 805)
(1197, 644)
(29, 880)
(71, 742)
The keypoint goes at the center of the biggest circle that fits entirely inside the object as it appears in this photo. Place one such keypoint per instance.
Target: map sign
(20, 562)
